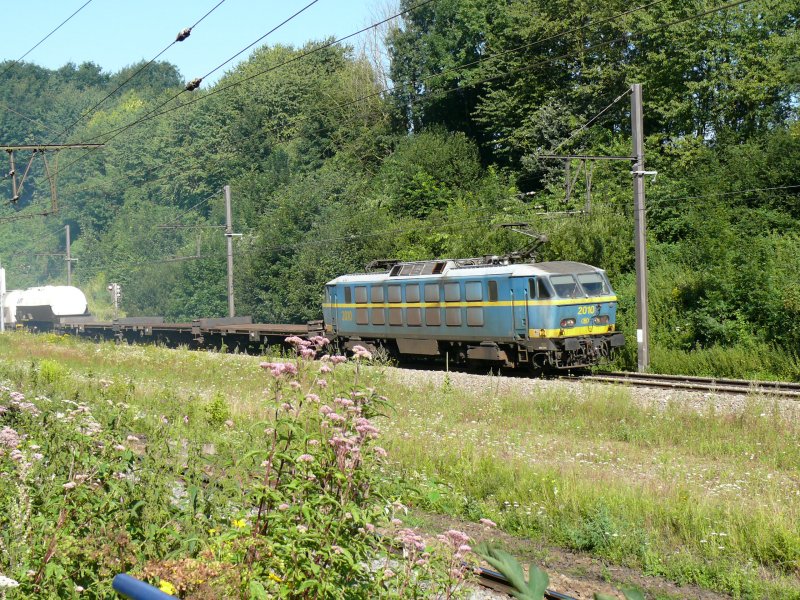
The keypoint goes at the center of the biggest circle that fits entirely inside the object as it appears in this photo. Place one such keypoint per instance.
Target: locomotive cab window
(492, 289)
(565, 286)
(537, 288)
(544, 290)
(348, 295)
(474, 291)
(594, 284)
(361, 294)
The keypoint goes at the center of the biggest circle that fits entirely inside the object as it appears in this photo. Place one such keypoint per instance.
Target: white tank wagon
(48, 303)
(10, 301)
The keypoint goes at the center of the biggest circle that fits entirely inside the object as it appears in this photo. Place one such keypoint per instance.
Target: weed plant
(97, 478)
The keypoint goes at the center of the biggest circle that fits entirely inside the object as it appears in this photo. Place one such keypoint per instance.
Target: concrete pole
(640, 230)
(2, 300)
(229, 236)
(69, 257)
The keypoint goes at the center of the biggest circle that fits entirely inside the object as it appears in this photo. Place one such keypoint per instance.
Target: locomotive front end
(573, 316)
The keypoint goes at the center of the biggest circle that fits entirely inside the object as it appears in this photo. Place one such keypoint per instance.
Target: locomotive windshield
(594, 284)
(586, 284)
(566, 286)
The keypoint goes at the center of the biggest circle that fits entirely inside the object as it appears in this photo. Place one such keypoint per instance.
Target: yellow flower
(239, 523)
(166, 587)
(275, 578)
(212, 531)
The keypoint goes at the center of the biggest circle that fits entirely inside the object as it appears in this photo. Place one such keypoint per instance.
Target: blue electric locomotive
(544, 315)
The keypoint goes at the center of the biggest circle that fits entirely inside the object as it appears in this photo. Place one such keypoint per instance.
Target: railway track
(699, 384)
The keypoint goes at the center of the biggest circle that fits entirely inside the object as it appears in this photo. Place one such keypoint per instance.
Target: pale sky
(117, 33)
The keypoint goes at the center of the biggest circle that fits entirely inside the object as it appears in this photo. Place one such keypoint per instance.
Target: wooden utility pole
(640, 229)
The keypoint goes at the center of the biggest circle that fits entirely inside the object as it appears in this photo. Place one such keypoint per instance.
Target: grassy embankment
(712, 499)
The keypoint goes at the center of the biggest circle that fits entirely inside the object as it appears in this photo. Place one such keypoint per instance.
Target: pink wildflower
(279, 369)
(320, 341)
(9, 438)
(488, 523)
(322, 383)
(380, 451)
(337, 549)
(325, 369)
(305, 458)
(388, 573)
(308, 353)
(337, 360)
(295, 385)
(69, 485)
(361, 352)
(296, 341)
(283, 506)
(312, 397)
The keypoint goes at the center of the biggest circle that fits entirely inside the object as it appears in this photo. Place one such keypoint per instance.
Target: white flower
(7, 582)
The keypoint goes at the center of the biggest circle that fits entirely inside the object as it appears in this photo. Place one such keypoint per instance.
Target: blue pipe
(132, 588)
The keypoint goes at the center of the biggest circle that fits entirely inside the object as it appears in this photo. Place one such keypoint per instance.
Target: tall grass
(751, 361)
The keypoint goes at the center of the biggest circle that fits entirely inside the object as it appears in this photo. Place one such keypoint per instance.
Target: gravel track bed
(726, 403)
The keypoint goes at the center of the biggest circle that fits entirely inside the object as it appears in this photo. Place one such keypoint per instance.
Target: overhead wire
(623, 38)
(182, 35)
(151, 114)
(271, 31)
(41, 41)
(592, 120)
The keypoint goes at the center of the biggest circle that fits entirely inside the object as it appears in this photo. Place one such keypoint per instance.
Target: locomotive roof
(453, 270)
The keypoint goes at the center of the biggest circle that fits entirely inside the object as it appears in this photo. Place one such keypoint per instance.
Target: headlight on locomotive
(600, 320)
(568, 322)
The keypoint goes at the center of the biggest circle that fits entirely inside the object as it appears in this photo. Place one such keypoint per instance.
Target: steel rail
(694, 383)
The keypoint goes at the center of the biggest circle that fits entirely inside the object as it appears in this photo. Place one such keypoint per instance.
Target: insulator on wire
(183, 34)
(194, 84)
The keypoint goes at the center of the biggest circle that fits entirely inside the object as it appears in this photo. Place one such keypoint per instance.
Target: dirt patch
(572, 573)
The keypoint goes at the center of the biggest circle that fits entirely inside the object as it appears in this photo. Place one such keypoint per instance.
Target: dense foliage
(328, 173)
